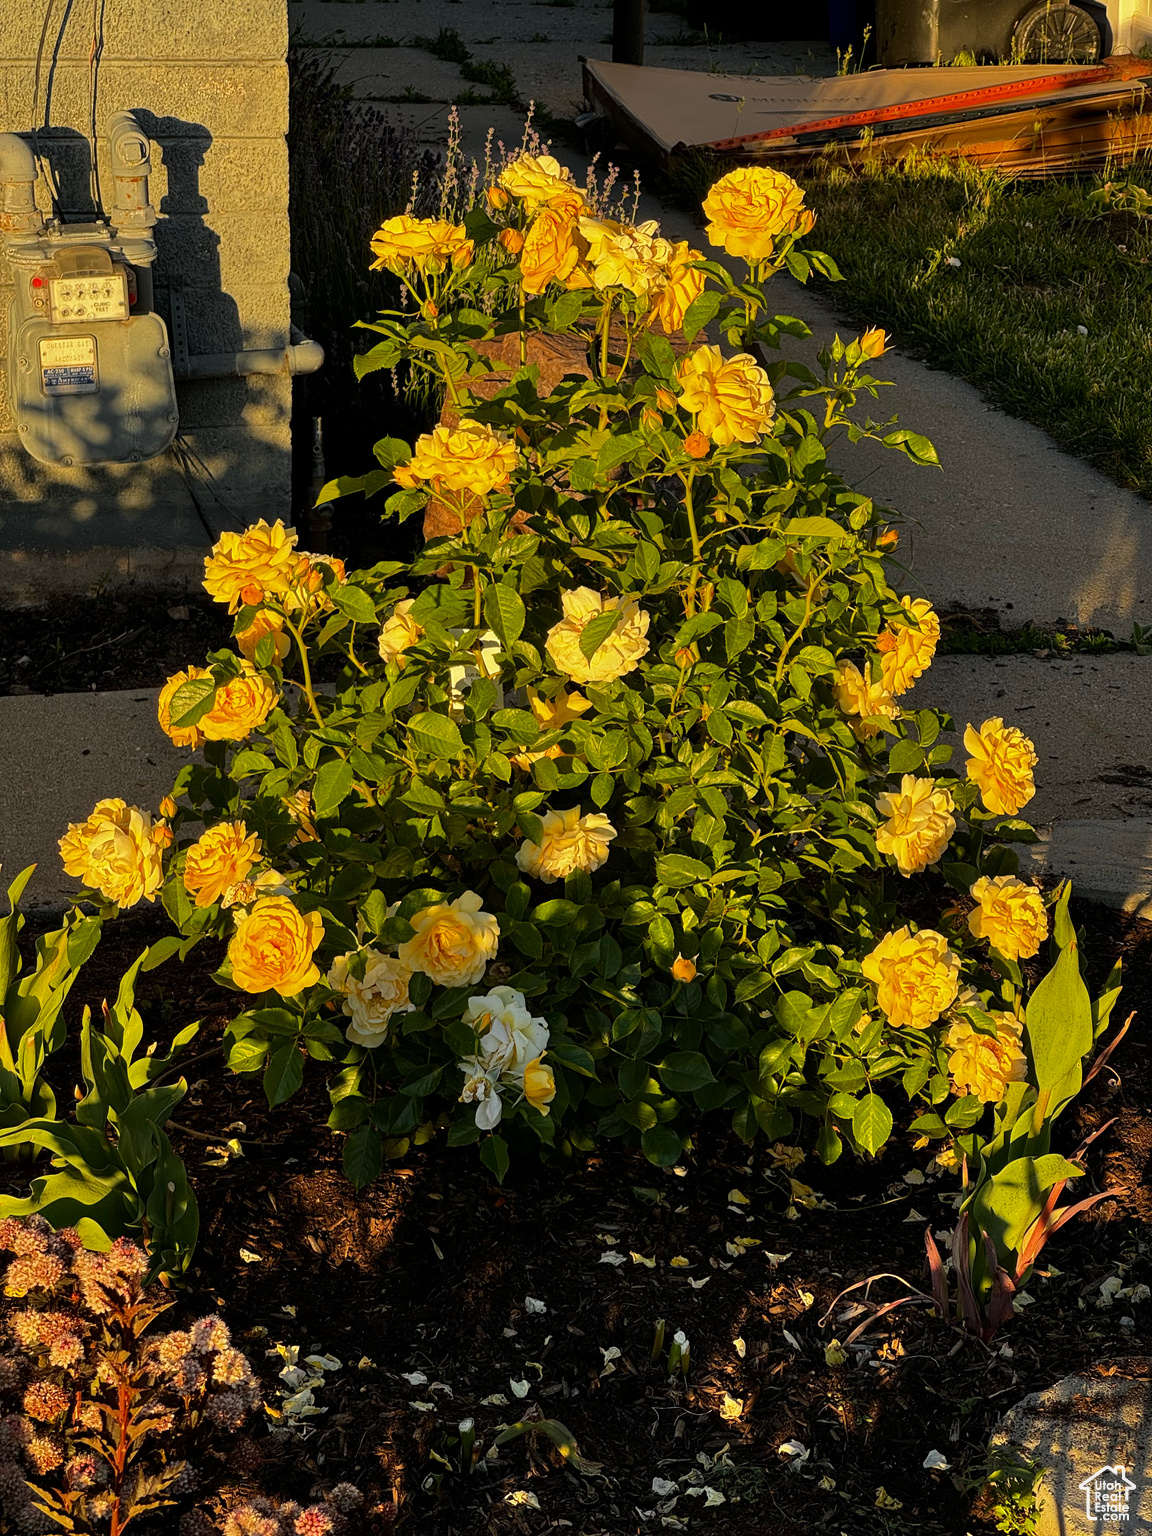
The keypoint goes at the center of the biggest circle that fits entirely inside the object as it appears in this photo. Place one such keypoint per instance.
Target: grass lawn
(1039, 295)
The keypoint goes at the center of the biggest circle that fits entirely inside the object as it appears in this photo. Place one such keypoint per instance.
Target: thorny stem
(308, 690)
(693, 534)
(809, 598)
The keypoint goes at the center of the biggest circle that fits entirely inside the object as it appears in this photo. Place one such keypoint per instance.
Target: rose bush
(608, 812)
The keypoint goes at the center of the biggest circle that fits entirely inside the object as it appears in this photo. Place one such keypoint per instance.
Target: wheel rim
(1058, 34)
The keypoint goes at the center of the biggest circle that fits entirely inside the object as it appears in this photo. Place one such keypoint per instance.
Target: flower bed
(607, 834)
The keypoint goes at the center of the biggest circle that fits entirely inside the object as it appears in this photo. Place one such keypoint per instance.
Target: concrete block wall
(208, 82)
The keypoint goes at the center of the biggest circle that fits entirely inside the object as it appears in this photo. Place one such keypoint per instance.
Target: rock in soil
(1093, 1437)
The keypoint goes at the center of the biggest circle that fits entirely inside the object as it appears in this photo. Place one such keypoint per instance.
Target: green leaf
(828, 1144)
(677, 869)
(738, 635)
(871, 1122)
(1058, 1021)
(701, 312)
(557, 913)
(354, 602)
(1007, 1204)
(504, 613)
(333, 786)
(283, 1074)
(661, 1145)
(597, 630)
(247, 1055)
(905, 757)
(822, 528)
(685, 1072)
(695, 628)
(437, 735)
(602, 787)
(192, 701)
(494, 1156)
(575, 1057)
(520, 724)
(348, 1113)
(363, 1156)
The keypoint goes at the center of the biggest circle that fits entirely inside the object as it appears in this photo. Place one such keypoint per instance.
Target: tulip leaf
(1059, 1026)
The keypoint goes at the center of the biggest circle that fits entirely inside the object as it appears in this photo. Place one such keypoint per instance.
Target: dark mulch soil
(429, 1269)
(78, 643)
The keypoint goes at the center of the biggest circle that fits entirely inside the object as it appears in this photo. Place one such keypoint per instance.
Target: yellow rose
(421, 245)
(550, 251)
(619, 654)
(371, 1000)
(512, 241)
(1001, 765)
(919, 825)
(539, 1086)
(874, 343)
(117, 852)
(749, 209)
(452, 942)
(683, 969)
(217, 863)
(617, 255)
(247, 567)
(188, 735)
(399, 633)
(859, 695)
(272, 948)
(683, 285)
(1010, 916)
(467, 457)
(906, 652)
(984, 1065)
(916, 976)
(539, 181)
(568, 842)
(552, 715)
(732, 401)
(242, 705)
(266, 622)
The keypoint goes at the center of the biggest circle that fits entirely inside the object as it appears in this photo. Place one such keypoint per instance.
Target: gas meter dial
(88, 298)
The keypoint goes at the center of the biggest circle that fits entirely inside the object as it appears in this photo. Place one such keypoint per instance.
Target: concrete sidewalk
(58, 756)
(1087, 716)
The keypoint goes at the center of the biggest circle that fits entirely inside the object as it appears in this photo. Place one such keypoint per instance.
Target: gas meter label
(68, 365)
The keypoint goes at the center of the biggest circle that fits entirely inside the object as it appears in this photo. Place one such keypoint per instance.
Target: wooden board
(1029, 120)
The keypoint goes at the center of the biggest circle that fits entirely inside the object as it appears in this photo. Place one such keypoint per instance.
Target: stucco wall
(208, 82)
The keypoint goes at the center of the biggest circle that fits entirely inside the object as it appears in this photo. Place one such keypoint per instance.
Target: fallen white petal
(935, 1462)
(612, 1258)
(537, 1308)
(793, 1448)
(519, 1388)
(661, 1487)
(414, 1378)
(522, 1500)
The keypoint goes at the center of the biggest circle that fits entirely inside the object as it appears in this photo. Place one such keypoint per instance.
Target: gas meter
(89, 362)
